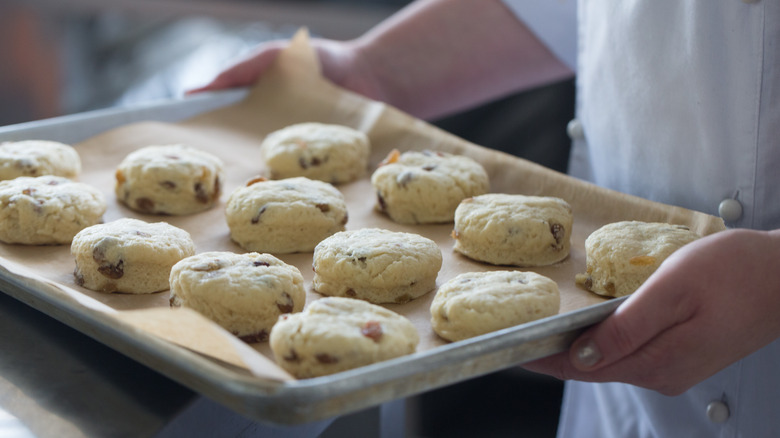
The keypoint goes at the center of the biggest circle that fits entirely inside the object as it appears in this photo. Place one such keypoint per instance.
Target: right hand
(339, 60)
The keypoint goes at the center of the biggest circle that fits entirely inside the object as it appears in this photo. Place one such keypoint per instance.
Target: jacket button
(718, 412)
(730, 210)
(575, 130)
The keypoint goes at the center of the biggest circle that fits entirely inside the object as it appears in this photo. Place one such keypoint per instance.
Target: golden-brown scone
(47, 210)
(376, 265)
(326, 152)
(285, 216)
(337, 334)
(37, 158)
(513, 229)
(426, 187)
(169, 179)
(622, 255)
(129, 255)
(476, 303)
(243, 293)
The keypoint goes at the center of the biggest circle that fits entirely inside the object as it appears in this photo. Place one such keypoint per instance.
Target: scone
(47, 210)
(620, 256)
(37, 158)
(325, 152)
(337, 334)
(513, 229)
(169, 179)
(284, 216)
(376, 265)
(426, 187)
(244, 293)
(129, 255)
(475, 303)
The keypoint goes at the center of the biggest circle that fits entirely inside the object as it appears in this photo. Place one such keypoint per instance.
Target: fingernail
(588, 354)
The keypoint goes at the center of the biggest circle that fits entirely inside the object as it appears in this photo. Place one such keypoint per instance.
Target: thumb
(637, 321)
(245, 72)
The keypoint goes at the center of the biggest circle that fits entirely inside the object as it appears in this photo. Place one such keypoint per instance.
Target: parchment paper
(293, 91)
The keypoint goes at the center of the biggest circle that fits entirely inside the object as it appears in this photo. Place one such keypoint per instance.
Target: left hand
(711, 303)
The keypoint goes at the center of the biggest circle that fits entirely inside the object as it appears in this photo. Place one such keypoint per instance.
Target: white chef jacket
(678, 101)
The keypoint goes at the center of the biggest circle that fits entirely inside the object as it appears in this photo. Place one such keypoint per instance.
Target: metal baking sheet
(266, 400)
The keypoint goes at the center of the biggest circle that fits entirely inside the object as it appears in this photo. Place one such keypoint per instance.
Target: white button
(718, 412)
(575, 130)
(730, 210)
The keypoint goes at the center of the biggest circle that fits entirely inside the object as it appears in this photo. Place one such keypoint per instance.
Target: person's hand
(431, 59)
(710, 304)
(339, 61)
(245, 72)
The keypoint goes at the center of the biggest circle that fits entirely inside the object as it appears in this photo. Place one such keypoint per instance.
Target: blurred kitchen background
(62, 57)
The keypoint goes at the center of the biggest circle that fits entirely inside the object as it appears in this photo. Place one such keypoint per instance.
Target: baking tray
(265, 400)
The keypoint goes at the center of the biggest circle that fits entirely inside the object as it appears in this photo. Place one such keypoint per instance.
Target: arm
(432, 58)
(710, 304)
(440, 56)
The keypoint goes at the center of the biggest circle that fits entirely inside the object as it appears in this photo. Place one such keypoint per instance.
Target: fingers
(635, 344)
(214, 85)
(640, 319)
(244, 73)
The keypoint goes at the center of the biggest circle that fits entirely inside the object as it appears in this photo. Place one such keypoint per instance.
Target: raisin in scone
(47, 210)
(325, 152)
(37, 158)
(513, 230)
(475, 303)
(169, 179)
(337, 334)
(285, 216)
(620, 256)
(376, 265)
(426, 187)
(243, 293)
(129, 255)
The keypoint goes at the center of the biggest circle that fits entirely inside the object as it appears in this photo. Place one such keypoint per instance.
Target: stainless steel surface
(300, 401)
(56, 382)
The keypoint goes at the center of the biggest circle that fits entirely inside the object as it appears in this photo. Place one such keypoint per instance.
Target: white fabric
(680, 103)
